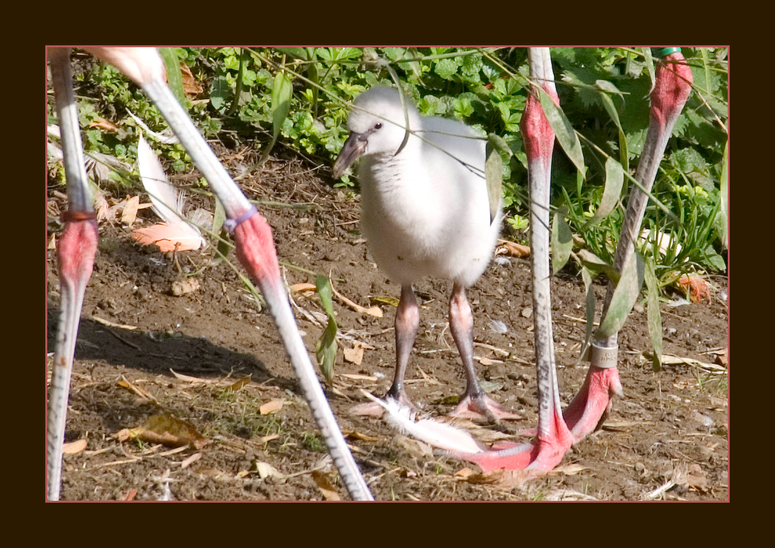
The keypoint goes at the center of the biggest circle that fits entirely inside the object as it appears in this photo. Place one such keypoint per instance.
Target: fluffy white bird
(425, 212)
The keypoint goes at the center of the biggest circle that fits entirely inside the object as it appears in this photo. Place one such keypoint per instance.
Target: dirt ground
(142, 351)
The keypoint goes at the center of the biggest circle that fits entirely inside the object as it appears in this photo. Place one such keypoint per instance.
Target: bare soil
(666, 438)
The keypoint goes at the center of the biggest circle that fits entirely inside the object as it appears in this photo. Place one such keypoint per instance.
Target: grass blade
(723, 218)
(174, 79)
(624, 157)
(650, 67)
(624, 297)
(563, 129)
(281, 104)
(590, 308)
(562, 242)
(493, 173)
(614, 178)
(654, 315)
(596, 265)
(326, 347)
(222, 247)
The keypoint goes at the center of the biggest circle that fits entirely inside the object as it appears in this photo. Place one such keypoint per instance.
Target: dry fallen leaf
(181, 287)
(266, 470)
(512, 248)
(190, 460)
(690, 475)
(123, 383)
(356, 377)
(358, 436)
(129, 496)
(74, 447)
(103, 124)
(506, 479)
(186, 378)
(464, 473)
(271, 407)
(129, 215)
(722, 357)
(240, 383)
(113, 324)
(373, 311)
(568, 469)
(102, 208)
(383, 299)
(263, 439)
(366, 410)
(354, 355)
(414, 447)
(302, 288)
(484, 361)
(191, 87)
(675, 360)
(567, 494)
(489, 436)
(166, 430)
(324, 485)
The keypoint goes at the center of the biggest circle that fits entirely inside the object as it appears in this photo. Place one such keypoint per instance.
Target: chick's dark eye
(378, 125)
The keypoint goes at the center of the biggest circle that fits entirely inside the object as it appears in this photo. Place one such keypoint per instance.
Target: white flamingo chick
(425, 212)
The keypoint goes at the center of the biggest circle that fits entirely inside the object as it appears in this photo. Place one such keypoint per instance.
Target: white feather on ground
(166, 138)
(175, 231)
(442, 436)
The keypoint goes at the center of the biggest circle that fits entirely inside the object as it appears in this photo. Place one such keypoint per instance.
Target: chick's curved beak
(354, 147)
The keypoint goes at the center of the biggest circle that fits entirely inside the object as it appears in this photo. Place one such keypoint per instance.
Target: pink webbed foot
(589, 409)
(585, 414)
(539, 456)
(482, 407)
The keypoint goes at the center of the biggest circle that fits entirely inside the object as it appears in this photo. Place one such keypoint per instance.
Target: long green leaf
(219, 216)
(590, 308)
(614, 178)
(219, 91)
(654, 315)
(706, 64)
(174, 79)
(281, 102)
(282, 91)
(243, 59)
(493, 173)
(563, 129)
(624, 155)
(624, 297)
(562, 242)
(326, 346)
(650, 67)
(299, 53)
(596, 265)
(723, 215)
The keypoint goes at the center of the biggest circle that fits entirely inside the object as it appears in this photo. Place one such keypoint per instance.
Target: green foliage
(562, 241)
(624, 297)
(326, 347)
(654, 314)
(301, 97)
